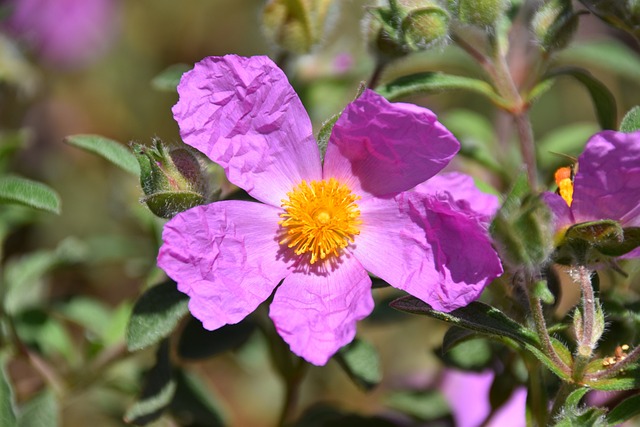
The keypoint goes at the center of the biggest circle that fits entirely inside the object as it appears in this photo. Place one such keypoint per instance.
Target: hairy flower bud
(554, 25)
(425, 27)
(407, 26)
(480, 13)
(295, 26)
(172, 180)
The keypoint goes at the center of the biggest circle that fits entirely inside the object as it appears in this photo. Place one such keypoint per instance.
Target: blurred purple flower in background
(468, 397)
(320, 227)
(64, 33)
(606, 185)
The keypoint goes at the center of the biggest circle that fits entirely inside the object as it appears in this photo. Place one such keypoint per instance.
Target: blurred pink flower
(320, 227)
(66, 33)
(606, 185)
(468, 397)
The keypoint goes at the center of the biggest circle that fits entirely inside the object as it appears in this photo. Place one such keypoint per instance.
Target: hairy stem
(541, 328)
(611, 371)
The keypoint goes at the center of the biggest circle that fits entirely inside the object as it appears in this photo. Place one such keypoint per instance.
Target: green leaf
(627, 379)
(421, 405)
(22, 191)
(198, 343)
(169, 78)
(7, 413)
(107, 148)
(41, 411)
(469, 355)
(158, 391)
(631, 120)
(155, 315)
(325, 133)
(575, 415)
(24, 280)
(476, 316)
(491, 322)
(607, 54)
(89, 313)
(361, 362)
(192, 403)
(603, 100)
(624, 411)
(435, 82)
(455, 336)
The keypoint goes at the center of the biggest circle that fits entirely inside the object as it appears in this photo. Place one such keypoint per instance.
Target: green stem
(292, 388)
(630, 359)
(541, 328)
(381, 64)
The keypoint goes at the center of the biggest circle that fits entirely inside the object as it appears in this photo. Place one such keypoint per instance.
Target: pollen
(564, 180)
(320, 219)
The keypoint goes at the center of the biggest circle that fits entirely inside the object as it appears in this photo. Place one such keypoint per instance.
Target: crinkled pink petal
(377, 147)
(225, 256)
(427, 248)
(316, 313)
(462, 193)
(244, 115)
(562, 215)
(607, 184)
(468, 396)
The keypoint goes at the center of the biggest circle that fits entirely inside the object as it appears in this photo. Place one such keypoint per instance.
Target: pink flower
(320, 227)
(64, 32)
(468, 397)
(606, 185)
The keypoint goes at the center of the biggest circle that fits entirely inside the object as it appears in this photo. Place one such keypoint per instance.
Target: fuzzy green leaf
(22, 191)
(491, 322)
(198, 343)
(155, 315)
(631, 120)
(41, 411)
(169, 78)
(7, 413)
(107, 148)
(158, 392)
(624, 411)
(361, 362)
(435, 82)
(423, 405)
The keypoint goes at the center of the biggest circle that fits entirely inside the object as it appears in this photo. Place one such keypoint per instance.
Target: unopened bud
(554, 25)
(172, 180)
(425, 27)
(521, 230)
(295, 26)
(480, 13)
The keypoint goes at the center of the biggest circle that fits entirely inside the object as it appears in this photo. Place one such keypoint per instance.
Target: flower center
(564, 179)
(320, 218)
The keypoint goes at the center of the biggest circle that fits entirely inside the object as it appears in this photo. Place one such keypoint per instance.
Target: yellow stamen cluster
(320, 218)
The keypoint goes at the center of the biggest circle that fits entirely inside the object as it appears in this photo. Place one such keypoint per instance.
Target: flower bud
(522, 231)
(591, 242)
(554, 25)
(172, 180)
(425, 27)
(480, 13)
(407, 26)
(295, 26)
